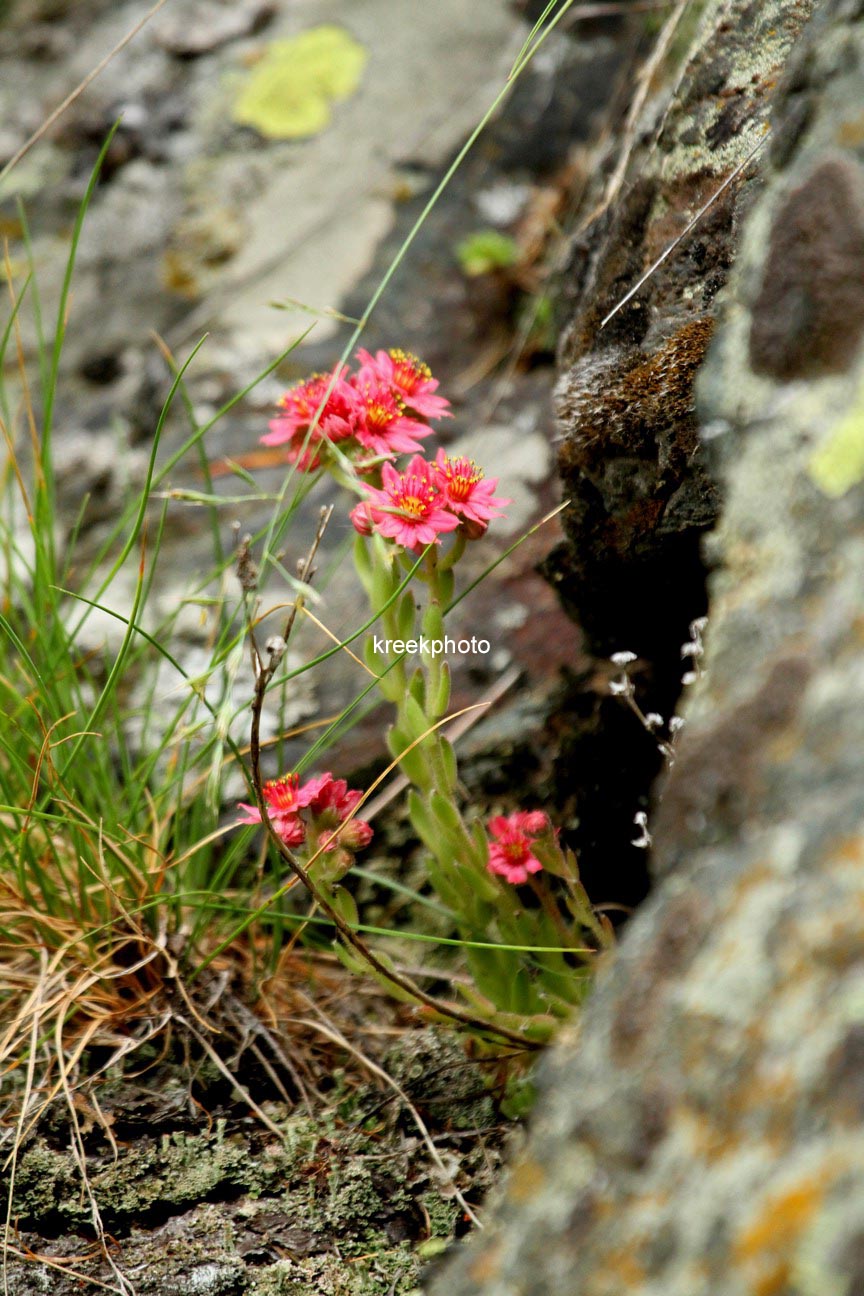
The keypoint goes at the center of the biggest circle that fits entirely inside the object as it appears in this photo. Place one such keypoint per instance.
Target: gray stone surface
(703, 1131)
(216, 223)
(200, 225)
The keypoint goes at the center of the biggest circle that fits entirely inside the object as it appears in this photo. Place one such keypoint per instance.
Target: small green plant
(124, 889)
(485, 251)
(524, 948)
(133, 911)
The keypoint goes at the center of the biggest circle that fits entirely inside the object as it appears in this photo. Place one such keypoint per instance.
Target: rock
(310, 1208)
(207, 24)
(703, 1133)
(641, 495)
(96, 472)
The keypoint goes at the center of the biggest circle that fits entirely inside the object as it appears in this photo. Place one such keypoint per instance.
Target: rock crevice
(703, 1133)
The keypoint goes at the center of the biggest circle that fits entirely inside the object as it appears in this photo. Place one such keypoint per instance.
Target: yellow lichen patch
(290, 91)
(838, 464)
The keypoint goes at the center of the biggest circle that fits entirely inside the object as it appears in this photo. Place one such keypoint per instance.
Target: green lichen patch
(338, 1205)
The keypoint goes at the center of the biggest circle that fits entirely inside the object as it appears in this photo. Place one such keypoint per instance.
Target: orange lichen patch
(847, 850)
(767, 1097)
(765, 1248)
(774, 1280)
(850, 133)
(756, 876)
(712, 1142)
(619, 1271)
(486, 1266)
(526, 1181)
(756, 1108)
(838, 944)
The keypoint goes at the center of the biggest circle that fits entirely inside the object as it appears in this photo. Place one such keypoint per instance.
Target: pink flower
(408, 377)
(312, 792)
(298, 408)
(333, 794)
(285, 798)
(412, 506)
(382, 425)
(361, 518)
(510, 853)
(329, 804)
(332, 807)
(467, 492)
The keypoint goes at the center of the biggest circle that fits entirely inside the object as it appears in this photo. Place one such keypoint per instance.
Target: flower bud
(361, 518)
(473, 530)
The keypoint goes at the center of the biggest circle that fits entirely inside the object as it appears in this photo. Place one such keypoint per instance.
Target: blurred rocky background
(223, 214)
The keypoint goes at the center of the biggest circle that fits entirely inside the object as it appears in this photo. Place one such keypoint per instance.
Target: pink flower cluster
(380, 411)
(317, 813)
(416, 507)
(510, 853)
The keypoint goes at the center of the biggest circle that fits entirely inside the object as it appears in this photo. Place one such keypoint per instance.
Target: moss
(434, 1071)
(335, 1208)
(358, 1200)
(379, 1274)
(44, 1179)
(442, 1213)
(153, 1176)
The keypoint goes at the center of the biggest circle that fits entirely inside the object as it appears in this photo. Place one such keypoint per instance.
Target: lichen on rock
(640, 491)
(343, 1204)
(703, 1135)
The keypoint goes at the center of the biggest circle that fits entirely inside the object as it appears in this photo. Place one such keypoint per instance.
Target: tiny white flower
(676, 724)
(622, 658)
(643, 841)
(653, 720)
(619, 688)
